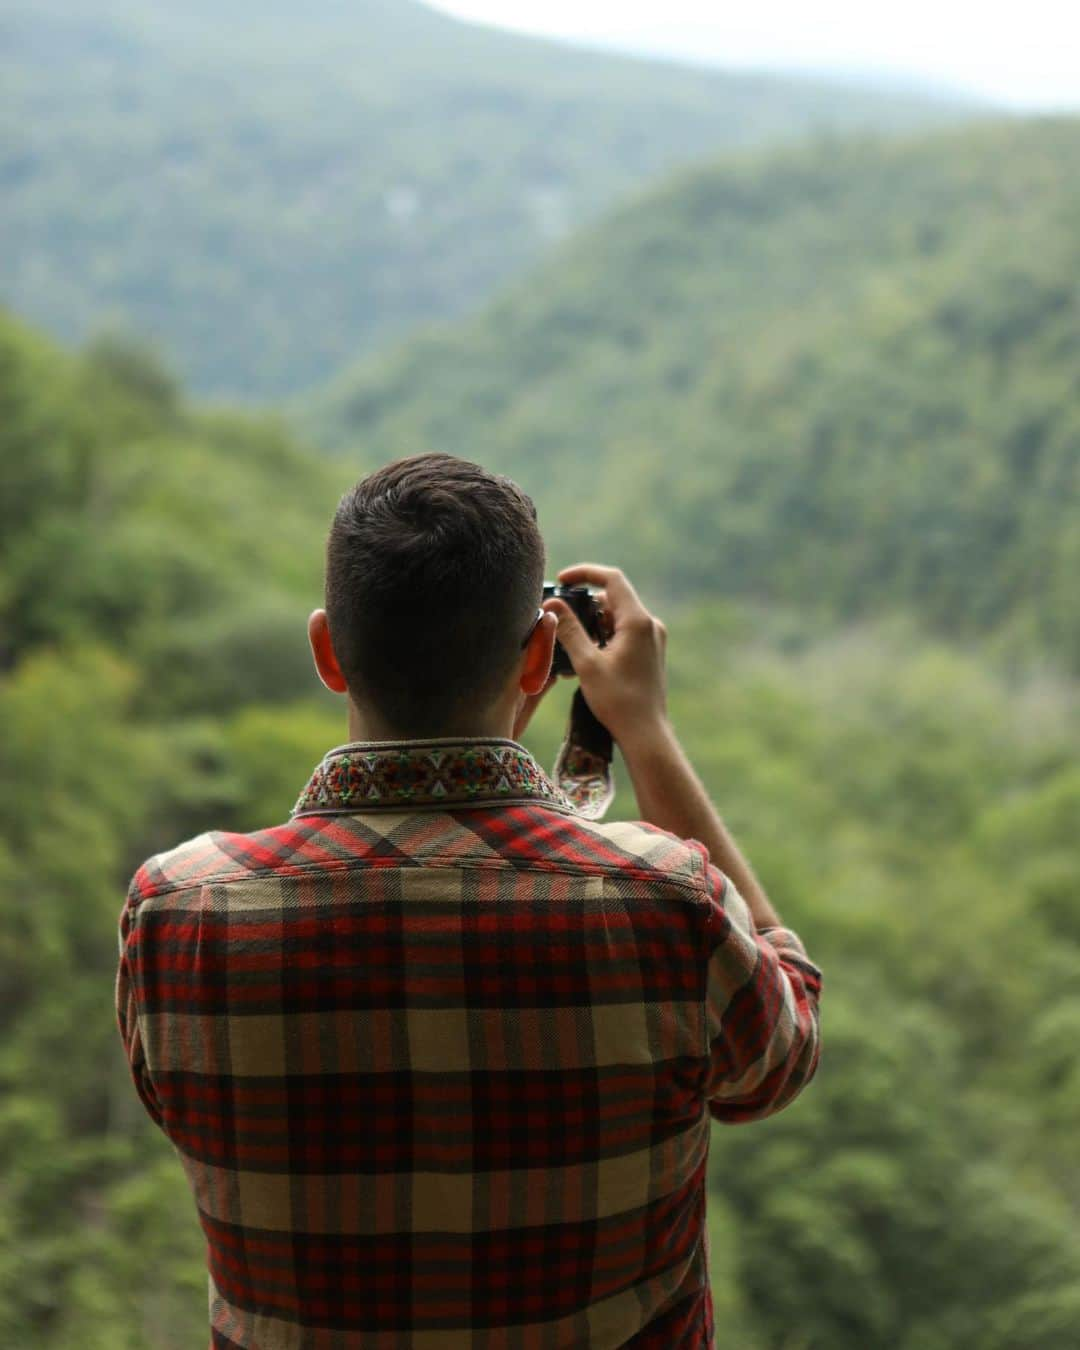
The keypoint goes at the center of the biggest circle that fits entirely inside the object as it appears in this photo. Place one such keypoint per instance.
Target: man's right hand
(624, 682)
(626, 689)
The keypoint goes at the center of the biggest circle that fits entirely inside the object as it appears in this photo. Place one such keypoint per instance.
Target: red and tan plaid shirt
(440, 1057)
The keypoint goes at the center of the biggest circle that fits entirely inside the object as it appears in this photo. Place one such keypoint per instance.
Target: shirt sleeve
(127, 1005)
(761, 1011)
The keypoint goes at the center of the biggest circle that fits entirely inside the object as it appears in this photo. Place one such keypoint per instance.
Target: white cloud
(1027, 54)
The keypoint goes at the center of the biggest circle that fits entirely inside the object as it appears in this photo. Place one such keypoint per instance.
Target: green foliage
(922, 1194)
(840, 380)
(910, 806)
(128, 519)
(77, 776)
(877, 1214)
(268, 193)
(134, 533)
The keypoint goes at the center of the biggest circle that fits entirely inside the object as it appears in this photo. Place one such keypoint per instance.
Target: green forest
(849, 374)
(264, 198)
(822, 403)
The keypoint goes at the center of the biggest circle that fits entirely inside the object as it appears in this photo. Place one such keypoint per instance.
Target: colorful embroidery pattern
(435, 773)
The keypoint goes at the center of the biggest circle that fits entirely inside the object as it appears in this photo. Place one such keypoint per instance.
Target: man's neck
(365, 727)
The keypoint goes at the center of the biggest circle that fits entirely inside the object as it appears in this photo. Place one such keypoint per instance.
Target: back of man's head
(434, 571)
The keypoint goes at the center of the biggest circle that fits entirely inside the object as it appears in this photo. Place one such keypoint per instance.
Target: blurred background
(779, 311)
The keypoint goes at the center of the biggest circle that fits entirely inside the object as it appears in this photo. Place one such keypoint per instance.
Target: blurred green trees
(267, 192)
(837, 379)
(131, 529)
(861, 527)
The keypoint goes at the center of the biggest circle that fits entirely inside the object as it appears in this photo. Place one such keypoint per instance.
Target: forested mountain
(129, 521)
(911, 813)
(840, 379)
(266, 189)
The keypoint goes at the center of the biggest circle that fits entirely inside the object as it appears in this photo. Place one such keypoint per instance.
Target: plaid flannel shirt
(440, 1056)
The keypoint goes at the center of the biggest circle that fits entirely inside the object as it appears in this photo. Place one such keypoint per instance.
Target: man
(440, 1054)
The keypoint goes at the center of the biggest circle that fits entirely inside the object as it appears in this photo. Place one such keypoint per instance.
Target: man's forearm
(625, 685)
(671, 796)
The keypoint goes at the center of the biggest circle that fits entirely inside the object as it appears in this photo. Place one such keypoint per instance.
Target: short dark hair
(434, 569)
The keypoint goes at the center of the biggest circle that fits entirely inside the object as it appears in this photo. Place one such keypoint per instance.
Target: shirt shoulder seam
(691, 884)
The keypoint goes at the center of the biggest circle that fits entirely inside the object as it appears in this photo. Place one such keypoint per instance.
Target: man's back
(440, 1057)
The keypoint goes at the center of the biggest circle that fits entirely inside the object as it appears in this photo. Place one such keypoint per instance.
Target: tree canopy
(265, 192)
(911, 810)
(824, 406)
(848, 374)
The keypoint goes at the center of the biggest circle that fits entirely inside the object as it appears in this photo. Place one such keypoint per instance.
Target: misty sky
(1024, 54)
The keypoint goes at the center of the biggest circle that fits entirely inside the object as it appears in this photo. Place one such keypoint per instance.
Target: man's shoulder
(213, 856)
(535, 835)
(635, 846)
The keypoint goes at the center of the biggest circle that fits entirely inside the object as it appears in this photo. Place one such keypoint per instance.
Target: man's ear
(322, 650)
(539, 652)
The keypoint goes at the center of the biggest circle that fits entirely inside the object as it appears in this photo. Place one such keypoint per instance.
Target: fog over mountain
(1017, 56)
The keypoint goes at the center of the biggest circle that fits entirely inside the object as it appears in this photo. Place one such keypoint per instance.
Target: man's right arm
(670, 795)
(761, 1011)
(625, 685)
(762, 997)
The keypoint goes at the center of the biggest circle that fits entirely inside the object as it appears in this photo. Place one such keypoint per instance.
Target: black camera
(582, 601)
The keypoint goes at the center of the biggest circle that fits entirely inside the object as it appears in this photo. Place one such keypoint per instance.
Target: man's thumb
(571, 634)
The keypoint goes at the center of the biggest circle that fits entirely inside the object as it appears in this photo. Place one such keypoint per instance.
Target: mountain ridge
(264, 198)
(860, 356)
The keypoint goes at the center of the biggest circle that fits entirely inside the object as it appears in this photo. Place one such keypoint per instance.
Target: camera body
(583, 602)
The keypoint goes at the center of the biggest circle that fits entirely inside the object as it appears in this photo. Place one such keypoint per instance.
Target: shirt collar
(442, 773)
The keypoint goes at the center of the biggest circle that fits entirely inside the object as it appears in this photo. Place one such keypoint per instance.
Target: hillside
(266, 195)
(841, 380)
(133, 522)
(911, 814)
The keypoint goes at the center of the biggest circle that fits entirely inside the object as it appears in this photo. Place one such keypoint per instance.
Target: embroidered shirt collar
(444, 772)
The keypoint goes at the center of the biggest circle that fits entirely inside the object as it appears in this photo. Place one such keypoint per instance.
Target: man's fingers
(621, 600)
(588, 574)
(571, 634)
(595, 574)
